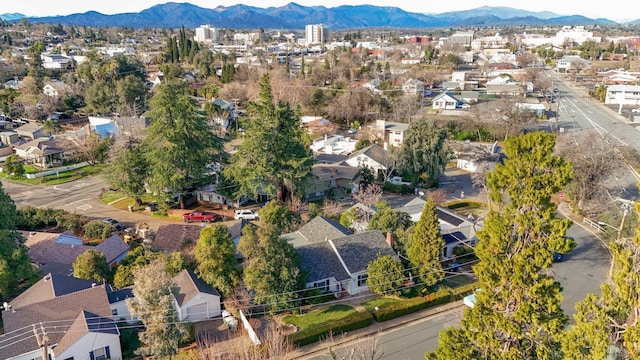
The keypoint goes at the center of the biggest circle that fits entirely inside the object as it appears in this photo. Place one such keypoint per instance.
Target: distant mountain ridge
(295, 16)
(11, 16)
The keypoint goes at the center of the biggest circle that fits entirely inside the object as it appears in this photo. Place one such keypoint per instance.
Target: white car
(246, 214)
(635, 110)
(465, 106)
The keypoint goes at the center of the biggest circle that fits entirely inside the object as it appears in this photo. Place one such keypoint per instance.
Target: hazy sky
(613, 9)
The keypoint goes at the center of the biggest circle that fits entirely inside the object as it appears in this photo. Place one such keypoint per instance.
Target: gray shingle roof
(66, 318)
(358, 250)
(454, 237)
(319, 261)
(321, 228)
(188, 285)
(49, 287)
(373, 151)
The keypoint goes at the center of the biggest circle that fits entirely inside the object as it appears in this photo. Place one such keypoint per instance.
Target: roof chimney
(390, 238)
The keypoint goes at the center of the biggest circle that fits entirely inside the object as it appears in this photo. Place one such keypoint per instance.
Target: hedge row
(398, 189)
(442, 296)
(352, 322)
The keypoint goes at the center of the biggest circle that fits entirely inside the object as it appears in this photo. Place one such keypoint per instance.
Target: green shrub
(31, 218)
(394, 310)
(398, 189)
(98, 229)
(311, 335)
(464, 290)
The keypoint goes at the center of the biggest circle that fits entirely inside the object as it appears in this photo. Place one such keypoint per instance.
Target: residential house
(194, 299)
(445, 101)
(334, 259)
(58, 253)
(572, 63)
(318, 125)
(505, 85)
(373, 157)
(118, 303)
(617, 77)
(13, 84)
(391, 133)
(105, 127)
(41, 152)
(336, 145)
(31, 130)
(55, 61)
(225, 113)
(623, 95)
(55, 88)
(173, 237)
(413, 87)
(455, 229)
(155, 78)
(76, 321)
(334, 181)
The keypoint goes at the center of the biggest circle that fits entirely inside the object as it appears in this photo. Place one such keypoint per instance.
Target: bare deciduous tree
(594, 162)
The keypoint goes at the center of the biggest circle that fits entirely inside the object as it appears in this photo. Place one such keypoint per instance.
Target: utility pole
(43, 340)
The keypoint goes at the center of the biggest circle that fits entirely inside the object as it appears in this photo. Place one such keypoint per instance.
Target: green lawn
(110, 196)
(60, 178)
(379, 302)
(320, 317)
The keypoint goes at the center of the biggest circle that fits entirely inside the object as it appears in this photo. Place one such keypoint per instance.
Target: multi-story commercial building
(206, 33)
(316, 33)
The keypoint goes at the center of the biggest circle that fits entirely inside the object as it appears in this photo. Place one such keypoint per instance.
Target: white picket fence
(57, 170)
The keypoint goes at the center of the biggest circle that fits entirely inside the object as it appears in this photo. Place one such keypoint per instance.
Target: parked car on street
(246, 214)
(635, 110)
(397, 180)
(199, 216)
(115, 223)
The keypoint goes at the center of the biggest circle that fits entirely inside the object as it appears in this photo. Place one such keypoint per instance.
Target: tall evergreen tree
(425, 151)
(15, 264)
(272, 268)
(181, 143)
(517, 314)
(425, 248)
(607, 326)
(275, 157)
(128, 169)
(216, 258)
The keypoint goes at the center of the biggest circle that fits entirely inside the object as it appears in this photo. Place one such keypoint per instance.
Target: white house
(194, 299)
(445, 100)
(334, 259)
(55, 61)
(390, 132)
(373, 157)
(74, 316)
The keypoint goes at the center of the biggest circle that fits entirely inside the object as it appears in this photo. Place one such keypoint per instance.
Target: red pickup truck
(199, 216)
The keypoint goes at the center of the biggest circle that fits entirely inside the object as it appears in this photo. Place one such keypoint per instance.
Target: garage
(197, 312)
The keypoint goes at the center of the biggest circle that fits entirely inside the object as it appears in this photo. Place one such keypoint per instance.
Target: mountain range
(295, 16)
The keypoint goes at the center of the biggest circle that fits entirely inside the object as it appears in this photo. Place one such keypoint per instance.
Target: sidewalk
(321, 348)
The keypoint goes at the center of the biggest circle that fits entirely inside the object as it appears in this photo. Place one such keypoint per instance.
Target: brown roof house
(334, 259)
(57, 254)
(173, 237)
(42, 152)
(73, 322)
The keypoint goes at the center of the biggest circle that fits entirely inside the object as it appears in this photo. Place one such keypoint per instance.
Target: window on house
(114, 311)
(322, 285)
(100, 354)
(362, 280)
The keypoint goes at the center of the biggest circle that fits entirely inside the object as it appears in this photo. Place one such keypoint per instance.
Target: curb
(320, 347)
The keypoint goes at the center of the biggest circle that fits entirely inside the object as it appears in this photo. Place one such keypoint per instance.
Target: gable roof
(188, 286)
(454, 238)
(357, 250)
(170, 237)
(41, 146)
(319, 261)
(51, 252)
(30, 127)
(375, 152)
(49, 287)
(65, 319)
(321, 229)
(445, 95)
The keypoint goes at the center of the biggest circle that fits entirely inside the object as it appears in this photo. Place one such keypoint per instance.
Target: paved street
(79, 196)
